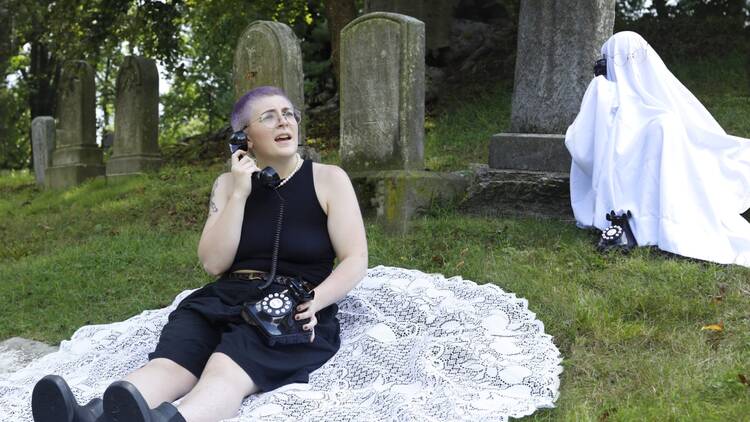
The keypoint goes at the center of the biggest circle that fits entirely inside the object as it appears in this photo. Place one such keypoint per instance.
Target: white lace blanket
(415, 346)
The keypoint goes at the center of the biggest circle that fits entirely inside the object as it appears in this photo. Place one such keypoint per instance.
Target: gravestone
(42, 143)
(382, 93)
(268, 53)
(558, 43)
(135, 148)
(382, 121)
(76, 156)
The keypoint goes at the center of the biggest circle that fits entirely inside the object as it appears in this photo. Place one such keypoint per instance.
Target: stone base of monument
(394, 197)
(532, 152)
(60, 177)
(131, 165)
(518, 193)
(528, 175)
(86, 155)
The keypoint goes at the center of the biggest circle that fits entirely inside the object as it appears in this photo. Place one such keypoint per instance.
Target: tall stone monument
(136, 142)
(558, 42)
(76, 156)
(42, 143)
(382, 93)
(382, 120)
(268, 53)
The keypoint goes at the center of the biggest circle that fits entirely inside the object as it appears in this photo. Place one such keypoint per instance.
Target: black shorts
(209, 321)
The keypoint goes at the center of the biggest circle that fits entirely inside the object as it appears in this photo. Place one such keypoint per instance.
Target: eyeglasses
(635, 56)
(271, 119)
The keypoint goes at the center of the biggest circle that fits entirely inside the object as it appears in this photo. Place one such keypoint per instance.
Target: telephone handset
(266, 177)
(600, 67)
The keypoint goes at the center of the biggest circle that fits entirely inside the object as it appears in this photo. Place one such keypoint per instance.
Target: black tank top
(304, 248)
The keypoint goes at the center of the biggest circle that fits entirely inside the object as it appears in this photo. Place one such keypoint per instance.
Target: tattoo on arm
(212, 208)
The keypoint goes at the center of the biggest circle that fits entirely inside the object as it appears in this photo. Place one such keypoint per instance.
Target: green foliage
(689, 28)
(202, 95)
(15, 148)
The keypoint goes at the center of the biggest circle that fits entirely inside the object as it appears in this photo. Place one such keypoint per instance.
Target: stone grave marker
(42, 143)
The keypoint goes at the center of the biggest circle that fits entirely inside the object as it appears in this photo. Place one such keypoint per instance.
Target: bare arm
(347, 233)
(221, 233)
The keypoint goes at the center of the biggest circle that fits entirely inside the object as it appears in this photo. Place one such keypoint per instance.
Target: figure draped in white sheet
(642, 142)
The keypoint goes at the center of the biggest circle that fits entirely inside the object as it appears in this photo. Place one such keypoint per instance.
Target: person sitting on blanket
(207, 354)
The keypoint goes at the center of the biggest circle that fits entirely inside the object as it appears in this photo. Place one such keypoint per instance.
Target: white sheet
(642, 142)
(414, 347)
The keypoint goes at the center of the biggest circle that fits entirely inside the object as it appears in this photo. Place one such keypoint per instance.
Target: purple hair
(242, 105)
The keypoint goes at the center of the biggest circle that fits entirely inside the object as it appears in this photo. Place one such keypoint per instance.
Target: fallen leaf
(743, 379)
(714, 327)
(460, 264)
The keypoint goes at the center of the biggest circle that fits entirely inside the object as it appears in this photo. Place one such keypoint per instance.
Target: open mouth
(283, 137)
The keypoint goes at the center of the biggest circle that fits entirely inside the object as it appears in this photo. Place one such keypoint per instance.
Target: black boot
(52, 401)
(124, 403)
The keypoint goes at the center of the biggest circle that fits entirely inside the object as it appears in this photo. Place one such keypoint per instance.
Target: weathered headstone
(382, 120)
(42, 144)
(76, 156)
(437, 17)
(268, 53)
(136, 143)
(382, 93)
(558, 43)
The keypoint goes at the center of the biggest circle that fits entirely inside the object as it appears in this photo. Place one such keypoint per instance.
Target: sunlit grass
(629, 327)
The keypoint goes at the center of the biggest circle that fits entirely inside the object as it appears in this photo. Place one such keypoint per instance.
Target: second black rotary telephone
(618, 235)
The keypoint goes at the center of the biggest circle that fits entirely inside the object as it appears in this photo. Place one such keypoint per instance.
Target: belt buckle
(248, 275)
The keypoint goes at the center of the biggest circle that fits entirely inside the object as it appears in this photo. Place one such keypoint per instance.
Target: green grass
(628, 327)
(458, 132)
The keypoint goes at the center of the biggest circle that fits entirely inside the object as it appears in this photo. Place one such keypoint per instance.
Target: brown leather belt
(252, 275)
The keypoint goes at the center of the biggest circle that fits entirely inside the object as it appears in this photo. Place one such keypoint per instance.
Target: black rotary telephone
(600, 67)
(266, 177)
(618, 235)
(274, 313)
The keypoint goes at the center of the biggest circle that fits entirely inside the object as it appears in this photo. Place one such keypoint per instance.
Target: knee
(221, 368)
(172, 370)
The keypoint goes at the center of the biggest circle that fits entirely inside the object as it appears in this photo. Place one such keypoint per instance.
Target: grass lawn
(630, 328)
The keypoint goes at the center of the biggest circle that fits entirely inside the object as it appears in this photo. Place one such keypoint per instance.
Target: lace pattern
(415, 347)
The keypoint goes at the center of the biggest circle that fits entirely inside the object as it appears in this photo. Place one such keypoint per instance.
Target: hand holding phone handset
(266, 177)
(274, 313)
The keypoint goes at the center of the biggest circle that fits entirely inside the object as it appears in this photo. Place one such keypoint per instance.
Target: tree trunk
(5, 53)
(661, 8)
(338, 14)
(42, 80)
